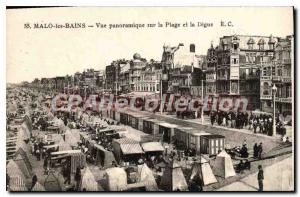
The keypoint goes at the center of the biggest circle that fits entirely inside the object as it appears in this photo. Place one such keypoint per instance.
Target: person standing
(254, 125)
(34, 181)
(255, 150)
(212, 118)
(77, 178)
(45, 165)
(260, 178)
(259, 150)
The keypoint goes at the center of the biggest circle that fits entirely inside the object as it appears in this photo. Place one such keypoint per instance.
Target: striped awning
(16, 183)
(128, 149)
(152, 147)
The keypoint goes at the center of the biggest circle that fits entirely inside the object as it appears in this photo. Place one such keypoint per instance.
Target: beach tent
(77, 158)
(50, 116)
(28, 123)
(17, 183)
(23, 133)
(202, 172)
(173, 178)
(21, 159)
(57, 138)
(12, 169)
(38, 188)
(76, 134)
(88, 181)
(52, 183)
(223, 166)
(126, 149)
(145, 175)
(62, 146)
(116, 179)
(104, 157)
(70, 139)
(58, 123)
(13, 145)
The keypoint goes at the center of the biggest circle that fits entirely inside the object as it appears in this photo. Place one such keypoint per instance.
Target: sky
(36, 53)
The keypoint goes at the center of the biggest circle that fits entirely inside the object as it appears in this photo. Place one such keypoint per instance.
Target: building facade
(278, 72)
(233, 67)
(150, 78)
(137, 65)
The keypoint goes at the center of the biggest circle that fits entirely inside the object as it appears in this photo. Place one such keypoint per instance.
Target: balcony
(286, 79)
(222, 77)
(286, 61)
(211, 69)
(277, 99)
(175, 84)
(210, 80)
(265, 97)
(286, 100)
(266, 78)
(135, 75)
(276, 78)
(251, 77)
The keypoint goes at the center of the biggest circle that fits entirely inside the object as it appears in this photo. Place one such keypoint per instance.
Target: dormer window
(271, 43)
(261, 44)
(250, 43)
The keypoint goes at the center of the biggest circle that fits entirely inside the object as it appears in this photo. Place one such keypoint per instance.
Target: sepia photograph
(150, 99)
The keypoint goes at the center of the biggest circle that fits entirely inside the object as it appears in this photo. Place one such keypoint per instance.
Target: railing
(286, 79)
(286, 100)
(276, 78)
(265, 77)
(210, 80)
(222, 78)
(286, 61)
(266, 97)
(251, 77)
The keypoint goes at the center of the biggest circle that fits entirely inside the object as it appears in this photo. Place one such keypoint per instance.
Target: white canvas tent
(70, 139)
(146, 176)
(173, 178)
(88, 181)
(23, 165)
(12, 169)
(116, 179)
(223, 166)
(62, 146)
(17, 183)
(202, 171)
(38, 188)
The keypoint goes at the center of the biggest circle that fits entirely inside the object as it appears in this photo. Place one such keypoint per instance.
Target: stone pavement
(278, 177)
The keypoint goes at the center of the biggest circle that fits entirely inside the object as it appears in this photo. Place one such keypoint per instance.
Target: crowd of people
(261, 123)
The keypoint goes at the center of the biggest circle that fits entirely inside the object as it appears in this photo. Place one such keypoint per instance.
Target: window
(289, 91)
(273, 71)
(235, 46)
(192, 48)
(250, 46)
(266, 89)
(261, 47)
(235, 61)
